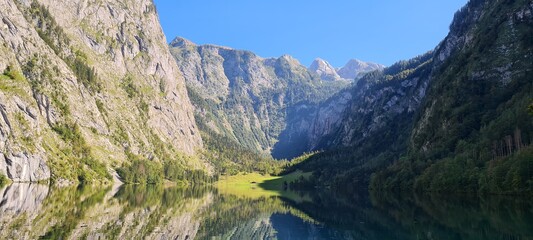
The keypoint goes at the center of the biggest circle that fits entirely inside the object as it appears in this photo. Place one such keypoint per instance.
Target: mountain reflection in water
(33, 211)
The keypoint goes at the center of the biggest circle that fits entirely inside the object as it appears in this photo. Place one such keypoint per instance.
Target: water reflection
(21, 198)
(157, 212)
(19, 206)
(461, 216)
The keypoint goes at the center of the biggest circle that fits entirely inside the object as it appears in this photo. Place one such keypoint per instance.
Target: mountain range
(353, 70)
(245, 97)
(90, 91)
(452, 120)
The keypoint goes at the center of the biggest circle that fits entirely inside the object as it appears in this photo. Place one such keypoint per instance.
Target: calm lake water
(151, 212)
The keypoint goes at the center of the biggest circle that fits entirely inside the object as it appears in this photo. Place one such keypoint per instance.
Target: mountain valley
(92, 92)
(110, 129)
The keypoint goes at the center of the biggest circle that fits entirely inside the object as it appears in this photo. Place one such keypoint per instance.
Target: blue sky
(382, 31)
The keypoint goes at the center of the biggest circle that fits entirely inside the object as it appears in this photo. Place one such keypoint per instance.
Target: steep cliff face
(382, 105)
(473, 132)
(366, 114)
(491, 68)
(379, 110)
(379, 101)
(452, 108)
(85, 85)
(245, 97)
(308, 123)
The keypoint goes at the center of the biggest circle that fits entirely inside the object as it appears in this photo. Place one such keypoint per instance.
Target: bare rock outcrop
(96, 71)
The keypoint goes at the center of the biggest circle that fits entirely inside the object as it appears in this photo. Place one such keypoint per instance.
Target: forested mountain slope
(89, 87)
(454, 119)
(473, 131)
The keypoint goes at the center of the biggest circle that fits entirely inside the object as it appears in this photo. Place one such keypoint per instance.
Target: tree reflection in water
(158, 212)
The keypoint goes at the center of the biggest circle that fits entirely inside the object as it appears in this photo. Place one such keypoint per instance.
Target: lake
(33, 211)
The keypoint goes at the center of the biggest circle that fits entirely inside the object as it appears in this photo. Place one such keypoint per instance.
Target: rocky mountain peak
(247, 98)
(355, 68)
(324, 70)
(289, 58)
(181, 42)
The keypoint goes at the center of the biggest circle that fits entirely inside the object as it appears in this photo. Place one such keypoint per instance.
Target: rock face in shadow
(421, 118)
(245, 97)
(275, 106)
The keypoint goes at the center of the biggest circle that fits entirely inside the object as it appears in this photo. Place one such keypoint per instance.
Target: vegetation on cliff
(472, 131)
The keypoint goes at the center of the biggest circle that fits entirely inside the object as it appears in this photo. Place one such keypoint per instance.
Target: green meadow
(255, 185)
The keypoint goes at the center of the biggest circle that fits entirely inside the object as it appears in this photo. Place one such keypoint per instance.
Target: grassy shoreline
(255, 185)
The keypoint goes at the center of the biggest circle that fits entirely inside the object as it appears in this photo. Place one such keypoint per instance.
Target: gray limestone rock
(245, 97)
(324, 70)
(24, 167)
(118, 40)
(355, 69)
